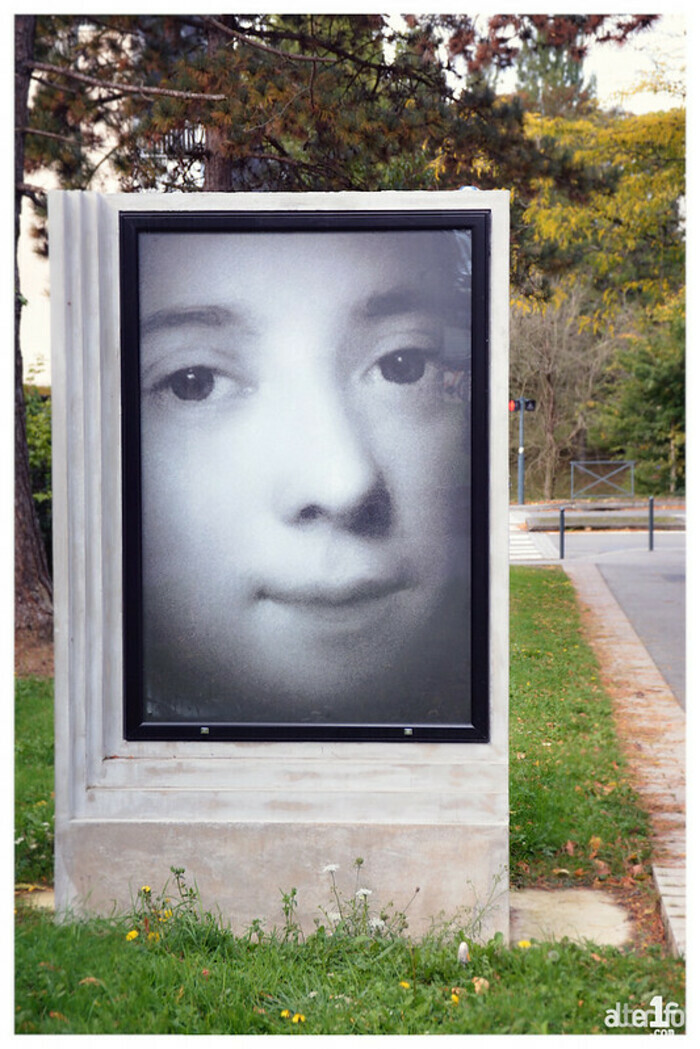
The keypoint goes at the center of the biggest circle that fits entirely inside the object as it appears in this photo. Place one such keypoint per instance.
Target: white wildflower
(364, 892)
(330, 868)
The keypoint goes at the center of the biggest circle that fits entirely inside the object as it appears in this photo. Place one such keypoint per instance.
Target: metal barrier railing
(562, 528)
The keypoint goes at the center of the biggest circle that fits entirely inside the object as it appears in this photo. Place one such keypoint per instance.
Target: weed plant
(170, 967)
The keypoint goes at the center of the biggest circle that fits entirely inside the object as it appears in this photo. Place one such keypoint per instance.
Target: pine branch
(48, 134)
(263, 47)
(134, 89)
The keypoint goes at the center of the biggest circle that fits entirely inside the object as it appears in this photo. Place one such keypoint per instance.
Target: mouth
(344, 597)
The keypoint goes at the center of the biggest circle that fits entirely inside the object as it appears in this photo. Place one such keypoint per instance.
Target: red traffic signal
(513, 405)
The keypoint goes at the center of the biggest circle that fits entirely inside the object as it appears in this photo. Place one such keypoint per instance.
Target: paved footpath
(651, 727)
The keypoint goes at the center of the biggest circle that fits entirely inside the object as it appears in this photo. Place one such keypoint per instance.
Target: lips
(348, 595)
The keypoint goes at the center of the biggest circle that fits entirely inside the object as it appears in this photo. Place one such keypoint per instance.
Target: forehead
(193, 268)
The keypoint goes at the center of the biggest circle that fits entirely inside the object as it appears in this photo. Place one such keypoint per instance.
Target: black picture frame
(139, 723)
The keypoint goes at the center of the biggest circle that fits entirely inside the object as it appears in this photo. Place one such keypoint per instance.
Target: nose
(327, 469)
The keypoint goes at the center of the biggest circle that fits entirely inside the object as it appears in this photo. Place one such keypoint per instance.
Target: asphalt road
(648, 585)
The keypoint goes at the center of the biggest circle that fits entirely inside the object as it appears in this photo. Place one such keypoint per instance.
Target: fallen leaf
(570, 848)
(90, 979)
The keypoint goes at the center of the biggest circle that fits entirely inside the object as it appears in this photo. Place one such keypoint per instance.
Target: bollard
(562, 526)
(651, 522)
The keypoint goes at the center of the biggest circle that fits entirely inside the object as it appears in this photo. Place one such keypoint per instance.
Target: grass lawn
(169, 968)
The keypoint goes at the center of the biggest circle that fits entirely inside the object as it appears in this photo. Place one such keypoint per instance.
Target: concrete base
(574, 914)
(243, 870)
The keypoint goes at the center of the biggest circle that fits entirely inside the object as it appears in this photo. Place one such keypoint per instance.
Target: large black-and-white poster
(305, 475)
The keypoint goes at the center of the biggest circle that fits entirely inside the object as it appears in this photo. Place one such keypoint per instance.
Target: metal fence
(602, 477)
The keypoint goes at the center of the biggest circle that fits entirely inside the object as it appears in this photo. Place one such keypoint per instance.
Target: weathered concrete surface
(242, 870)
(574, 914)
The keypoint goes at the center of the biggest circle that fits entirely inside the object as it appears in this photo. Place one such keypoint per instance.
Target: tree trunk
(33, 591)
(218, 166)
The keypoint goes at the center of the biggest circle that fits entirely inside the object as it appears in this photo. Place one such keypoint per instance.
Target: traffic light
(513, 405)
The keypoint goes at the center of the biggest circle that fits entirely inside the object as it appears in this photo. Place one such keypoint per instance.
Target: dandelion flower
(285, 1014)
(132, 934)
(145, 889)
(455, 998)
(524, 944)
(298, 1018)
(405, 984)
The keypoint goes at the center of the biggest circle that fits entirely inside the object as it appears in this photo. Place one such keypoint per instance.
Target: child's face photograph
(305, 470)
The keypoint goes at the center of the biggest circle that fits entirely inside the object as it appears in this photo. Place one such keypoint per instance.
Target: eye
(191, 384)
(403, 366)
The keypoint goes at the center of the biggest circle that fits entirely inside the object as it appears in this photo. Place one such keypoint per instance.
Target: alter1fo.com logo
(661, 1017)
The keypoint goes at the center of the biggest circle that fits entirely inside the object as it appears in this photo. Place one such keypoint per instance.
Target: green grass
(574, 820)
(574, 816)
(34, 802)
(89, 978)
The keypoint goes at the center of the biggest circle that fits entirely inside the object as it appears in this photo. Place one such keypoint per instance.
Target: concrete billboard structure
(280, 527)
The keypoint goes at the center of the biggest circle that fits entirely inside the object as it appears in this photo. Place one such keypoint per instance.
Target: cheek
(426, 469)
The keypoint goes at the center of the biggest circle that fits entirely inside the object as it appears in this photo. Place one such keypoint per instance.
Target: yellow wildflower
(285, 1014)
(132, 934)
(154, 937)
(298, 1018)
(524, 943)
(405, 984)
(455, 998)
(145, 889)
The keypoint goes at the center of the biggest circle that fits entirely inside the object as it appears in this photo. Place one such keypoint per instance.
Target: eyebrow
(399, 300)
(391, 303)
(183, 316)
(413, 299)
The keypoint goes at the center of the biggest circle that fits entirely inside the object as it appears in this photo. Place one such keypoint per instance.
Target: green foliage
(38, 422)
(34, 800)
(551, 80)
(641, 412)
(574, 815)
